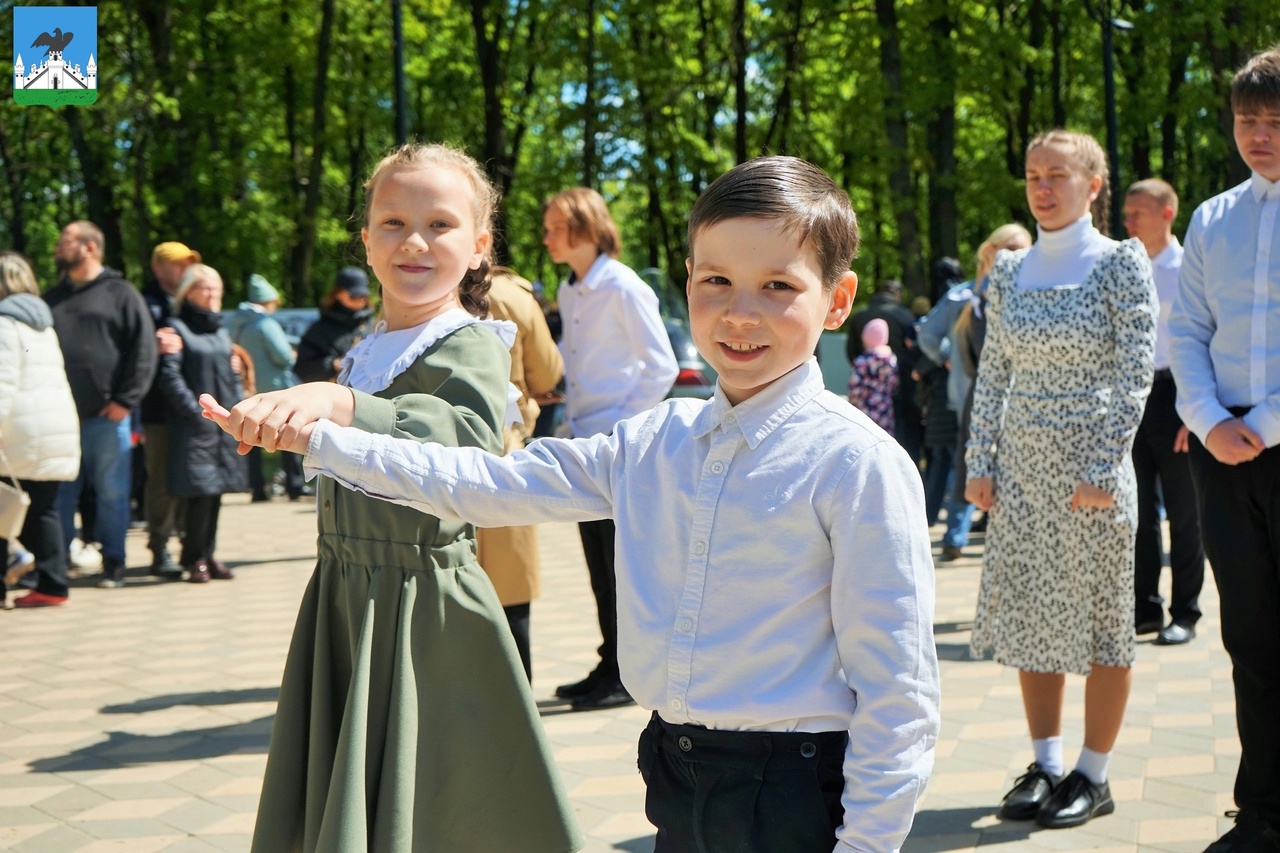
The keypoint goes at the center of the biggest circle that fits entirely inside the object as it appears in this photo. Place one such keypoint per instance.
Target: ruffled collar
(372, 364)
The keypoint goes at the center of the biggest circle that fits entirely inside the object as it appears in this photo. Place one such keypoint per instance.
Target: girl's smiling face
(420, 240)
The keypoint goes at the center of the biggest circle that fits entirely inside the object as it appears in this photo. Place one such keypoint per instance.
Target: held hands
(1232, 442)
(1090, 496)
(981, 492)
(282, 420)
(114, 411)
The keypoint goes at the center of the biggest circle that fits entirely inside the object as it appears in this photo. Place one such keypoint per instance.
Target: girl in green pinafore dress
(405, 722)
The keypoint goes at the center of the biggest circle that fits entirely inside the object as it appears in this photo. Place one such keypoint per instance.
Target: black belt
(1239, 411)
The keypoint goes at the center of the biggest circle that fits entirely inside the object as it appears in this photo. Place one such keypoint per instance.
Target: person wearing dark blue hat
(345, 318)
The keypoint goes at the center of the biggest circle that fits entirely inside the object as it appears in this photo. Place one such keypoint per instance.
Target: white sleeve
(882, 598)
(1191, 329)
(550, 480)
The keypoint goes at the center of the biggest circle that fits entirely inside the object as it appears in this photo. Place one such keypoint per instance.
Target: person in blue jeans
(108, 344)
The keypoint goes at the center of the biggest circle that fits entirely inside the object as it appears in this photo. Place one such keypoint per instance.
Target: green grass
(55, 97)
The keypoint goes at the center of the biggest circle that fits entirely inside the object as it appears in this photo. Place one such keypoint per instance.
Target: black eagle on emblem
(55, 43)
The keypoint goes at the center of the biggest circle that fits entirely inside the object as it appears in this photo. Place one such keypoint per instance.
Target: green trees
(246, 128)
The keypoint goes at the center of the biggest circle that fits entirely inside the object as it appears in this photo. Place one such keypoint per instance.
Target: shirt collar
(758, 417)
(592, 279)
(1170, 255)
(1262, 188)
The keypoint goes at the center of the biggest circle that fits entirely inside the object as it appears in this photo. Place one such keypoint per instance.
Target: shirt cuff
(337, 452)
(1203, 419)
(1263, 421)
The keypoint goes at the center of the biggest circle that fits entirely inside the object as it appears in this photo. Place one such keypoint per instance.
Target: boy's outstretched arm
(275, 420)
(882, 601)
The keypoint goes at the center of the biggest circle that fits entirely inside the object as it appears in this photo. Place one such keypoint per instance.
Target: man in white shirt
(618, 362)
(1225, 332)
(1160, 447)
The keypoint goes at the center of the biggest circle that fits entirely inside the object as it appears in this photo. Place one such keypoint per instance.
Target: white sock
(1093, 765)
(1049, 754)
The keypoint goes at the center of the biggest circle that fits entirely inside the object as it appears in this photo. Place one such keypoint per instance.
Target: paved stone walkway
(137, 719)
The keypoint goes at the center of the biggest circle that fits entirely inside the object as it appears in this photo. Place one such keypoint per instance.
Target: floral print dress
(872, 384)
(1060, 391)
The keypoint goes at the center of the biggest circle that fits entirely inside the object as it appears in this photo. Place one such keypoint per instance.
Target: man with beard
(108, 344)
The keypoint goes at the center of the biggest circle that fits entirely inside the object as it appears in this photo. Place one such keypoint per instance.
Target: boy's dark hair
(1256, 86)
(793, 191)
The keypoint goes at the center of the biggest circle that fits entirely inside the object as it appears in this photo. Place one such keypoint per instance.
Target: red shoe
(198, 572)
(219, 572)
(39, 599)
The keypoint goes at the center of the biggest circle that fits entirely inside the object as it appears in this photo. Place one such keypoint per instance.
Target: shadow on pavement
(643, 844)
(122, 749)
(940, 830)
(958, 652)
(216, 697)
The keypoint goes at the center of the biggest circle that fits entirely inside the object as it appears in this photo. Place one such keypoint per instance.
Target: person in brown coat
(509, 555)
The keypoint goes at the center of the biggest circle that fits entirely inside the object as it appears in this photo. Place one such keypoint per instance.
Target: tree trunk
(589, 116)
(304, 247)
(740, 80)
(900, 187)
(1055, 69)
(1179, 55)
(97, 173)
(781, 119)
(941, 140)
(15, 214)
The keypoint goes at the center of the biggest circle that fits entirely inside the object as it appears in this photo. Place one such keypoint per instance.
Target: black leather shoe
(1251, 834)
(579, 688)
(1148, 626)
(607, 694)
(1075, 801)
(1028, 793)
(1175, 635)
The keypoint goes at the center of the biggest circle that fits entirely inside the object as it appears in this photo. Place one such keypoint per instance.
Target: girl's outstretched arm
(275, 421)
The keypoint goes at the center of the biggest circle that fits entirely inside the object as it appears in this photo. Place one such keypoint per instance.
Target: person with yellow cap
(168, 262)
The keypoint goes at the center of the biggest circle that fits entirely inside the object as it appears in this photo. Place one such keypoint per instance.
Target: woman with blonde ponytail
(1065, 371)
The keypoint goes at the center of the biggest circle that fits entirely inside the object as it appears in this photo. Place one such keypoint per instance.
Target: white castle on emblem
(55, 73)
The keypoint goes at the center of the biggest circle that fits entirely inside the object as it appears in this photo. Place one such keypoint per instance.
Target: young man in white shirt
(1160, 447)
(776, 583)
(618, 362)
(1226, 359)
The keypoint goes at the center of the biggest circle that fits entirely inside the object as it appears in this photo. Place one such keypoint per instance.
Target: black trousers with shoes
(1240, 523)
(712, 791)
(201, 533)
(1154, 461)
(597, 547)
(42, 536)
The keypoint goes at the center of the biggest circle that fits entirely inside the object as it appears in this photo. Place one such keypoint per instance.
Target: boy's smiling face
(756, 302)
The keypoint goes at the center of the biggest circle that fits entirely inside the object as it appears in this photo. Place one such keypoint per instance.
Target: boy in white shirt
(1225, 345)
(775, 581)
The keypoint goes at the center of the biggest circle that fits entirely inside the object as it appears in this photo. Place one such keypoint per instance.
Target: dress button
(675, 704)
(699, 548)
(717, 468)
(808, 750)
(685, 743)
(327, 506)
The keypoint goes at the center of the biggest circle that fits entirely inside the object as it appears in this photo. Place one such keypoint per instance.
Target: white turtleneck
(1063, 257)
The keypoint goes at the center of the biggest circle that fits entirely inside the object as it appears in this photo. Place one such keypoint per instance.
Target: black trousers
(1155, 462)
(715, 791)
(201, 530)
(42, 536)
(597, 547)
(518, 618)
(1240, 522)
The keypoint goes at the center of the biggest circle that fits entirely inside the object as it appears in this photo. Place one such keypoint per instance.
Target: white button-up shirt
(618, 360)
(1164, 268)
(1224, 329)
(772, 560)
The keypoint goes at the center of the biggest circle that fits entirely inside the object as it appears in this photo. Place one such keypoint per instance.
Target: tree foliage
(247, 128)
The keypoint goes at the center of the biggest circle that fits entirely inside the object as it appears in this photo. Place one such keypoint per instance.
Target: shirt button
(699, 548)
(685, 743)
(731, 418)
(675, 704)
(717, 468)
(686, 625)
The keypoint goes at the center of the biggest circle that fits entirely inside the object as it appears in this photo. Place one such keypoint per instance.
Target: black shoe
(112, 576)
(259, 498)
(1075, 801)
(608, 694)
(1148, 626)
(1175, 635)
(1028, 793)
(304, 492)
(163, 566)
(949, 553)
(979, 524)
(1251, 834)
(580, 688)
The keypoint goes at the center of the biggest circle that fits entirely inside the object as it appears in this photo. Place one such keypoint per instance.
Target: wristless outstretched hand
(282, 420)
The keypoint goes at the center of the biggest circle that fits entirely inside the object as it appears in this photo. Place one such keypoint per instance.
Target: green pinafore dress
(405, 722)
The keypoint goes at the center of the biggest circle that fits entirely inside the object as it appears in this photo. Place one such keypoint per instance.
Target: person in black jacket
(345, 318)
(203, 462)
(108, 344)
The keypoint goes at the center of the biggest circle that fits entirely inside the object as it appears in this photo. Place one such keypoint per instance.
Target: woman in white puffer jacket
(39, 429)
